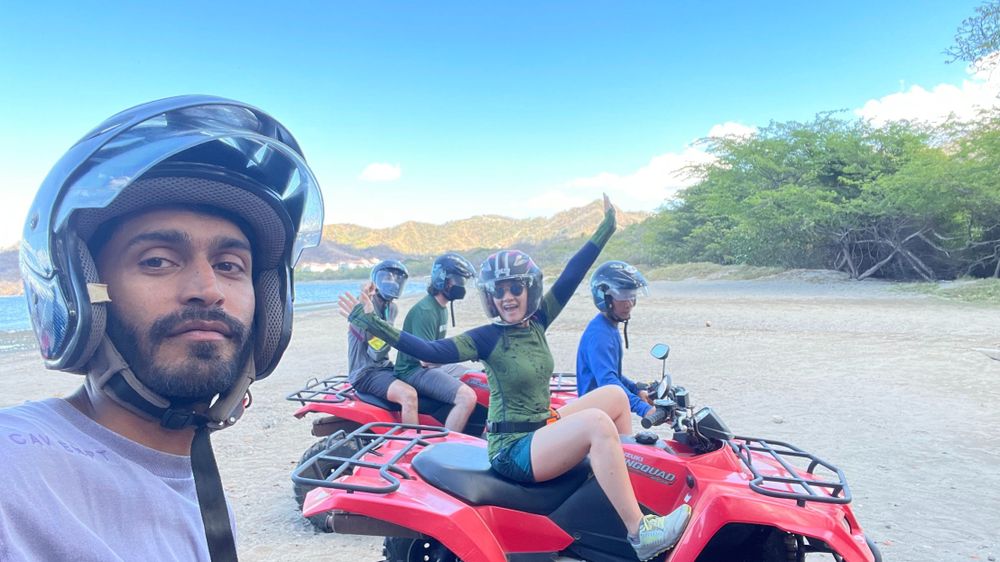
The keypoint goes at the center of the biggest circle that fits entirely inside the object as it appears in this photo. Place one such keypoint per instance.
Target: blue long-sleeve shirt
(599, 362)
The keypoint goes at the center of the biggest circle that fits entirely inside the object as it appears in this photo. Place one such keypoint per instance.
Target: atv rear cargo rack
(562, 382)
(786, 454)
(344, 454)
(332, 390)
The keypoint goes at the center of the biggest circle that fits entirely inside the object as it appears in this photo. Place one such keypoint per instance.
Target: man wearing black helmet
(369, 368)
(614, 286)
(428, 319)
(157, 261)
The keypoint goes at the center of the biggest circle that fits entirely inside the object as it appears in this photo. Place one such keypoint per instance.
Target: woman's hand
(347, 302)
(607, 203)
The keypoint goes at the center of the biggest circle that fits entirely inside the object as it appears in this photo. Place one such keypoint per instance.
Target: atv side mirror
(660, 351)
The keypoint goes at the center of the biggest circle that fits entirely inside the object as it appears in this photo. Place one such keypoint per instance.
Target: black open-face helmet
(504, 266)
(199, 151)
(389, 278)
(451, 267)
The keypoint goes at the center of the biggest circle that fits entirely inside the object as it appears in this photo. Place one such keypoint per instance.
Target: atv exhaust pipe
(352, 524)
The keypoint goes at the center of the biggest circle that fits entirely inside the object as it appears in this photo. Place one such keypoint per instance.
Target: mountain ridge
(345, 243)
(414, 238)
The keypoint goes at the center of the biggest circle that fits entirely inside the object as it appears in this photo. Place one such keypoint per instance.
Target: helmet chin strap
(453, 293)
(109, 373)
(609, 307)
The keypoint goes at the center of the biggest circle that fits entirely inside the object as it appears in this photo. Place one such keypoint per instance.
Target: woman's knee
(613, 399)
(598, 423)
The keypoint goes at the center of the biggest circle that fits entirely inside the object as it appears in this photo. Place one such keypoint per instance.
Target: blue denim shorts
(514, 460)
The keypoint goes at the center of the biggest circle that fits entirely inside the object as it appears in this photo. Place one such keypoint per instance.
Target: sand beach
(892, 387)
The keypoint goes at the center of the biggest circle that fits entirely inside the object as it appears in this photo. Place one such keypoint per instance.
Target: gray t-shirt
(75, 490)
(366, 352)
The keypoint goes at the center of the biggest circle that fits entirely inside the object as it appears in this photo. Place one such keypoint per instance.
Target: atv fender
(455, 525)
(719, 505)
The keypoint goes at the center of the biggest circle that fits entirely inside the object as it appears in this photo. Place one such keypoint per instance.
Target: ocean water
(14, 312)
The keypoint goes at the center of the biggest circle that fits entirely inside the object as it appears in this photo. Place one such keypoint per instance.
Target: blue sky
(435, 111)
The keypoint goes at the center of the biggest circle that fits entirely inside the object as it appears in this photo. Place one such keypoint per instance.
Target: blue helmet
(455, 268)
(389, 278)
(188, 150)
(616, 280)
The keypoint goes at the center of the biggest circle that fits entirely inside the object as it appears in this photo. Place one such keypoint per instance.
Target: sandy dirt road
(891, 387)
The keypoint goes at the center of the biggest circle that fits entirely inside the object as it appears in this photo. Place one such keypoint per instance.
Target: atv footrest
(346, 454)
(777, 472)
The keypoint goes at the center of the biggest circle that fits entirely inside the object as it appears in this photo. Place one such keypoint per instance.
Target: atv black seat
(425, 404)
(464, 471)
(337, 389)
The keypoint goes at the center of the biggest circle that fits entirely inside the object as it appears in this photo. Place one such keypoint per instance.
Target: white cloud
(666, 174)
(937, 104)
(731, 129)
(381, 171)
(659, 179)
(644, 189)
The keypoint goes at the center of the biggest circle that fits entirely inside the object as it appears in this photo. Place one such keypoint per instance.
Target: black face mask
(455, 293)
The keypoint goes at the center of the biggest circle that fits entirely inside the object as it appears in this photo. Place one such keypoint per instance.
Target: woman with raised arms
(527, 441)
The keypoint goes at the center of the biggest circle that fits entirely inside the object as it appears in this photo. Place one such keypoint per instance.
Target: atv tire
(319, 522)
(396, 549)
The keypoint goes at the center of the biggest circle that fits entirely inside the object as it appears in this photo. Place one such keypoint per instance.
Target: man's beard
(200, 376)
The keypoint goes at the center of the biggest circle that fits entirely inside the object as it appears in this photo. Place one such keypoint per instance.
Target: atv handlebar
(656, 417)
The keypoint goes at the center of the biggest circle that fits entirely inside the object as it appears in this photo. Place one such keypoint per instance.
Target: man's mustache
(169, 324)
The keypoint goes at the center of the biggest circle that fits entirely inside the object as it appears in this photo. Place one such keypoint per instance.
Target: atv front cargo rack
(332, 390)
(344, 454)
(793, 484)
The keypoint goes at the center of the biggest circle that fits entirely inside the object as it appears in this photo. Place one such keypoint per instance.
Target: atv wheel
(397, 549)
(319, 521)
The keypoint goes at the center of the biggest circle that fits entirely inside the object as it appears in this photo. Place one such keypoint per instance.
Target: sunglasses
(515, 289)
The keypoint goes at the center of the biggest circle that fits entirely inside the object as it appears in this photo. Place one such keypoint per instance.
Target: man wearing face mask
(429, 319)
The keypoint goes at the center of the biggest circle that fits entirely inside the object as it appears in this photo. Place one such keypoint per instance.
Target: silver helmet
(190, 150)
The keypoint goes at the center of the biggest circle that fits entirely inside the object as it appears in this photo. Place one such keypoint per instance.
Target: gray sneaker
(659, 533)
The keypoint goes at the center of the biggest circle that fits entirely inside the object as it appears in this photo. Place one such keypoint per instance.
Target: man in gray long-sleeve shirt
(371, 371)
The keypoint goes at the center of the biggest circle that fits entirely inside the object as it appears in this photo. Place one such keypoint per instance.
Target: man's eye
(230, 267)
(154, 263)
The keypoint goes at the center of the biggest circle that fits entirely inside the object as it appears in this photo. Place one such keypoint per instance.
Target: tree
(977, 36)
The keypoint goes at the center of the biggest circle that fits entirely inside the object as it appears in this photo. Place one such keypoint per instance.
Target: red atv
(434, 497)
(342, 408)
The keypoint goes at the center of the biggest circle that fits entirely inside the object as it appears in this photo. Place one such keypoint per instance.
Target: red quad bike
(342, 408)
(433, 496)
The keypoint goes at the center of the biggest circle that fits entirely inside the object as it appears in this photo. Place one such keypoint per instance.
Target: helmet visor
(129, 144)
(456, 280)
(390, 283)
(627, 294)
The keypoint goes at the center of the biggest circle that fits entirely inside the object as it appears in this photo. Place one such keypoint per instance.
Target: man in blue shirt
(614, 286)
